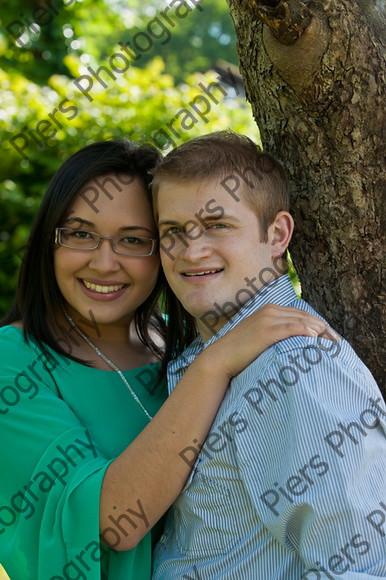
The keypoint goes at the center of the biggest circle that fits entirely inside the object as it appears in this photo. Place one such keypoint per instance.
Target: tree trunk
(313, 74)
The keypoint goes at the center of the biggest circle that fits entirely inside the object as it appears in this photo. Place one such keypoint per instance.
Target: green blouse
(61, 425)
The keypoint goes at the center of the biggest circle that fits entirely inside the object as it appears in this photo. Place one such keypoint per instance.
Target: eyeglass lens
(85, 240)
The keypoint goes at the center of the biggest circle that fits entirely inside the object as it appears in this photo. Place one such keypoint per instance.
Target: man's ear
(280, 233)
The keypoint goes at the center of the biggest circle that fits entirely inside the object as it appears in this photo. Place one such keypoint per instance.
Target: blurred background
(157, 57)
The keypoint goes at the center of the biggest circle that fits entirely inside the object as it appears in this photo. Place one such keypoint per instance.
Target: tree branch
(287, 19)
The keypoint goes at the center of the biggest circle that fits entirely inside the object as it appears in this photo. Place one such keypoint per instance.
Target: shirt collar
(279, 291)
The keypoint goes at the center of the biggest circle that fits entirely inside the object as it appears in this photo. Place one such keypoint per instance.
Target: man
(290, 481)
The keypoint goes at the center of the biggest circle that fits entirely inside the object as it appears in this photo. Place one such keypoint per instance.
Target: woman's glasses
(127, 245)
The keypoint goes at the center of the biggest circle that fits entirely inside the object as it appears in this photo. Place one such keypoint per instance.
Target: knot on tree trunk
(287, 19)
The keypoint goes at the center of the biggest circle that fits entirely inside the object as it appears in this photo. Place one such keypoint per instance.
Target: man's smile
(194, 273)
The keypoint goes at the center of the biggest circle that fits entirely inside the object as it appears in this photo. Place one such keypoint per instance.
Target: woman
(90, 455)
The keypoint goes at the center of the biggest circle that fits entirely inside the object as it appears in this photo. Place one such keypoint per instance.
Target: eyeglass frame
(58, 231)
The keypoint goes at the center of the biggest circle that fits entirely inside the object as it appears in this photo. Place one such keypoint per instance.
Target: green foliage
(197, 42)
(43, 106)
(51, 33)
(135, 105)
(91, 28)
(45, 50)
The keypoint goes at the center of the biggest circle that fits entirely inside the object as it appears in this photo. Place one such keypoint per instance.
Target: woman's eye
(80, 234)
(132, 240)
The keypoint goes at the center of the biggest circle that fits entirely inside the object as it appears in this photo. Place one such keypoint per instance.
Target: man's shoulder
(303, 376)
(299, 342)
(307, 359)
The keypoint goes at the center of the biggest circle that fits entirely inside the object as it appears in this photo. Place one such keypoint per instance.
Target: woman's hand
(263, 328)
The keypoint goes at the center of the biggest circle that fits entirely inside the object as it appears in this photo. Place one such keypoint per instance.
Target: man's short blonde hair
(244, 171)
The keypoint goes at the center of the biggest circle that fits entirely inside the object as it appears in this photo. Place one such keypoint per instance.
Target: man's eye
(217, 226)
(172, 230)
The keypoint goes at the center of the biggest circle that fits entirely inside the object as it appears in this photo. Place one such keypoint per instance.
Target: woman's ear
(280, 233)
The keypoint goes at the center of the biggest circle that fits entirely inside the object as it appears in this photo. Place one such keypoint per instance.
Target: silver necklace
(107, 360)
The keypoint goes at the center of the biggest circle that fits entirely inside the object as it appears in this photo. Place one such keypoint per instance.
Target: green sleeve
(50, 481)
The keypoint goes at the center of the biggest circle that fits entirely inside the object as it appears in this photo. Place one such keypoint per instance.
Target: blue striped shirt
(290, 483)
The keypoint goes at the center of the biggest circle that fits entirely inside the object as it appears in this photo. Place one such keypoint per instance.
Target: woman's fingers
(265, 327)
(290, 321)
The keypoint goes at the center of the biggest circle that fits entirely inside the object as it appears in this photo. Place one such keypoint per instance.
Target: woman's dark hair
(181, 327)
(38, 295)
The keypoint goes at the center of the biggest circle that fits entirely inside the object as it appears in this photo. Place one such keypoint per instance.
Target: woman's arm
(142, 483)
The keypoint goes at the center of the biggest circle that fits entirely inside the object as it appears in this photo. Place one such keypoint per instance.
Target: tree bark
(313, 72)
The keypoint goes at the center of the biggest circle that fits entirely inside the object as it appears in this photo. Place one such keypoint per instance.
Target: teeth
(202, 273)
(102, 289)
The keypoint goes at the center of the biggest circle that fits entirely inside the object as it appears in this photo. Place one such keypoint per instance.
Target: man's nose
(196, 249)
